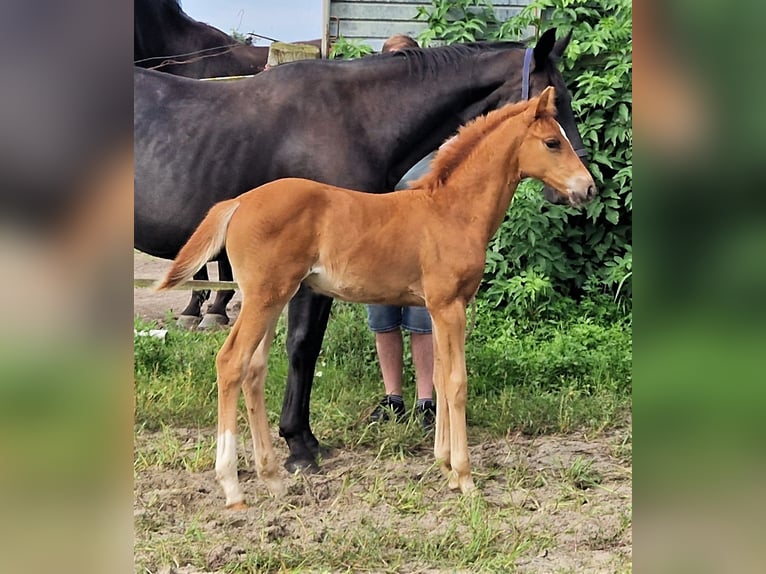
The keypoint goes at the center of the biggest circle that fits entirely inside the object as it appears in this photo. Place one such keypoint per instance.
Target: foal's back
(350, 245)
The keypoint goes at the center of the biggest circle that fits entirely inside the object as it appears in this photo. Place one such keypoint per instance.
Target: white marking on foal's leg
(226, 469)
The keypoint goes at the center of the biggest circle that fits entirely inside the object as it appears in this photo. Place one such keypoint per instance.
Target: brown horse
(347, 245)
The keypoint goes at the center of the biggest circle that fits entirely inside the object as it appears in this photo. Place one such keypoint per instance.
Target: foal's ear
(546, 104)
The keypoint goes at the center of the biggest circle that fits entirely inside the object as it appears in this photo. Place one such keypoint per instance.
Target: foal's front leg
(449, 346)
(442, 432)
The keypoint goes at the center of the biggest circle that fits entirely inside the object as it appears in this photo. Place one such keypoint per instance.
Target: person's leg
(385, 321)
(418, 322)
(423, 359)
(390, 350)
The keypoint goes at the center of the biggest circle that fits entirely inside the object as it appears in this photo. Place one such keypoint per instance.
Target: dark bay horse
(357, 124)
(166, 39)
(347, 245)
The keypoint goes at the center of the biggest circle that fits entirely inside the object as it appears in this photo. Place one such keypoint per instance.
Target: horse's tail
(204, 244)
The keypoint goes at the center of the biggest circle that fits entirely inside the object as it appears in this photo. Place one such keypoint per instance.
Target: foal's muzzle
(576, 195)
(580, 190)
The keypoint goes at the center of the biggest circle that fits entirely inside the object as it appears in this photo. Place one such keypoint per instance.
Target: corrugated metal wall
(372, 21)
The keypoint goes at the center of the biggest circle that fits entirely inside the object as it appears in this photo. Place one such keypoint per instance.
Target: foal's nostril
(591, 191)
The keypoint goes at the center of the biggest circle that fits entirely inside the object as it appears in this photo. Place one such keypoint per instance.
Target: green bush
(454, 21)
(597, 67)
(539, 245)
(343, 48)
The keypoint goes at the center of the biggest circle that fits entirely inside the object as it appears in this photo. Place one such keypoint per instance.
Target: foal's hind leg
(253, 387)
(232, 364)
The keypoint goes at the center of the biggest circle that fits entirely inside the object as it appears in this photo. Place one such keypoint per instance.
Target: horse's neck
(427, 108)
(479, 190)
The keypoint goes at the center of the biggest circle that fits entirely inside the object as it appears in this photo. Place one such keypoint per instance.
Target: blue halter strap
(525, 74)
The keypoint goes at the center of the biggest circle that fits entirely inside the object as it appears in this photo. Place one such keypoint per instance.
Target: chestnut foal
(421, 246)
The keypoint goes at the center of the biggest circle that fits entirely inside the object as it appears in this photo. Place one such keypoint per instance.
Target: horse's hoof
(294, 465)
(325, 452)
(312, 444)
(237, 506)
(187, 321)
(213, 321)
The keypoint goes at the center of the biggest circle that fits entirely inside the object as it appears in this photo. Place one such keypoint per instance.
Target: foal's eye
(552, 144)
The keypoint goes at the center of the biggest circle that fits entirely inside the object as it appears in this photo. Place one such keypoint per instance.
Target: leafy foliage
(456, 21)
(343, 48)
(240, 37)
(543, 251)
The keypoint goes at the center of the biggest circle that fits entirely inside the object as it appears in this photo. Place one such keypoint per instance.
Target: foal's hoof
(187, 321)
(307, 466)
(237, 506)
(213, 321)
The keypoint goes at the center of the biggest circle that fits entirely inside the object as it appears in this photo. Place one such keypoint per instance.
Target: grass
(534, 381)
(554, 380)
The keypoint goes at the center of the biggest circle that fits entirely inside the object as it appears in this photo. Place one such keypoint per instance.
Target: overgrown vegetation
(344, 48)
(569, 371)
(543, 252)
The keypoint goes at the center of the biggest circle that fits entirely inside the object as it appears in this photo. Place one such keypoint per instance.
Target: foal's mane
(468, 137)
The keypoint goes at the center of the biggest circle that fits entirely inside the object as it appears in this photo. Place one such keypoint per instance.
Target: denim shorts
(384, 318)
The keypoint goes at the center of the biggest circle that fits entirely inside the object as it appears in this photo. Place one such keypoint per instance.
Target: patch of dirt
(534, 507)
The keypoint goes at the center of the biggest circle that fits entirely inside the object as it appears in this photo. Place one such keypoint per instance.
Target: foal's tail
(204, 244)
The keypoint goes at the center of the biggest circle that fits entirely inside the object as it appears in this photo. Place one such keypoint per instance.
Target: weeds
(581, 475)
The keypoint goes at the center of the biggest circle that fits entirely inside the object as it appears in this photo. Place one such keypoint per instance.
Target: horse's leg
(441, 434)
(231, 363)
(306, 324)
(449, 337)
(189, 317)
(253, 387)
(215, 315)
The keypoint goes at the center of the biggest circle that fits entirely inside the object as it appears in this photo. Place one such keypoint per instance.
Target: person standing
(388, 321)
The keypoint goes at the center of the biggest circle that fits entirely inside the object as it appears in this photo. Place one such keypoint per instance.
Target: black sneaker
(388, 406)
(426, 412)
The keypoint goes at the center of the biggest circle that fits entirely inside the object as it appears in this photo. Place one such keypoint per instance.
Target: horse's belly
(367, 289)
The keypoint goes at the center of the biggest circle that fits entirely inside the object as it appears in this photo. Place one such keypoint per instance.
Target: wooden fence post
(279, 53)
